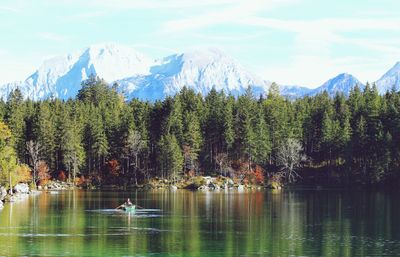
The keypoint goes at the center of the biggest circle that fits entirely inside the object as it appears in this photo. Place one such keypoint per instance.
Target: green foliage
(15, 118)
(358, 135)
(10, 171)
(170, 157)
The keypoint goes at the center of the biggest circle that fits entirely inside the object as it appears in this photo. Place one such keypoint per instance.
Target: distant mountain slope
(62, 76)
(389, 80)
(293, 92)
(198, 70)
(341, 83)
(141, 77)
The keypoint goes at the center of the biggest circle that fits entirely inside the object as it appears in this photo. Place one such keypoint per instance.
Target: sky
(292, 42)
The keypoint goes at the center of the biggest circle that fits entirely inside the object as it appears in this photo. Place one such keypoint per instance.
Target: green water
(184, 223)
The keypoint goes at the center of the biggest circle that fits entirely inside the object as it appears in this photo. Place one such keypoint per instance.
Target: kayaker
(128, 203)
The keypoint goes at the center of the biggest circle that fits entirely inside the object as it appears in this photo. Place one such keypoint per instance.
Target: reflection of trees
(217, 223)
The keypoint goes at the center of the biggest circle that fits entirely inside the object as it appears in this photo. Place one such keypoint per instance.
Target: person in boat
(128, 203)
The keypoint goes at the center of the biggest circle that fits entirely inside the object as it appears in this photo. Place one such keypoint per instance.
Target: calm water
(183, 223)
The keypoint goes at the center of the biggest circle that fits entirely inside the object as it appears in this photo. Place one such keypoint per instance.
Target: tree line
(99, 135)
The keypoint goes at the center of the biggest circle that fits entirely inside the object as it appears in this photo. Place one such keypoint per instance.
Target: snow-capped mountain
(61, 76)
(389, 80)
(341, 83)
(199, 70)
(293, 92)
(137, 75)
(140, 77)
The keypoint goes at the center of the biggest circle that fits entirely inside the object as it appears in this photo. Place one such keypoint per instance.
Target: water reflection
(183, 223)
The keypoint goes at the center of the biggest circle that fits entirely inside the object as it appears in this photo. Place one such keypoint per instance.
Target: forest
(100, 136)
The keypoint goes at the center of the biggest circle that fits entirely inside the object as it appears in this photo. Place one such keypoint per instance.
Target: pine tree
(170, 157)
(262, 147)
(95, 140)
(192, 140)
(245, 123)
(228, 130)
(15, 118)
(45, 132)
(73, 154)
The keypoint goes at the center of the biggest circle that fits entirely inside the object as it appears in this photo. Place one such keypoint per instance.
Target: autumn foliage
(62, 176)
(258, 175)
(24, 174)
(255, 175)
(80, 181)
(43, 173)
(112, 168)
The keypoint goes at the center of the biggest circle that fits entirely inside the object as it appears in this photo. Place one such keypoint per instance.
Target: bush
(23, 174)
(112, 168)
(43, 173)
(61, 176)
(259, 175)
(80, 181)
(199, 181)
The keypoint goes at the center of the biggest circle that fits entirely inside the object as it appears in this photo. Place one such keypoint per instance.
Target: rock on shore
(3, 193)
(21, 188)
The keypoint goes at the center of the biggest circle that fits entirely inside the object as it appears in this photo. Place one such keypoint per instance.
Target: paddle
(122, 205)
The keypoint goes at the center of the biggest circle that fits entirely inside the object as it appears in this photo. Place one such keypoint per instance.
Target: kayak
(130, 208)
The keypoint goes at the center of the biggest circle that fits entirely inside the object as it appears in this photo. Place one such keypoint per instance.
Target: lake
(184, 223)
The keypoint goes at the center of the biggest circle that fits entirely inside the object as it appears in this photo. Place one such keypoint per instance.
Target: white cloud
(52, 37)
(9, 9)
(229, 14)
(138, 4)
(313, 71)
(87, 15)
(314, 61)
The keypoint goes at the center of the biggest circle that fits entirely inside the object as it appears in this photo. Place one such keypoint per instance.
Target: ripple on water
(140, 213)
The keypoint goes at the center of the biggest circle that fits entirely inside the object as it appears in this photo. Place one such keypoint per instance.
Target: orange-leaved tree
(43, 173)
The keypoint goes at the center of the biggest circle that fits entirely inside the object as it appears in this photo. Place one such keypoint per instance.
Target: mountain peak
(200, 70)
(61, 76)
(344, 82)
(112, 49)
(138, 76)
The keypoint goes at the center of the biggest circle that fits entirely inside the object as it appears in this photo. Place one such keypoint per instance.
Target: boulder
(173, 187)
(207, 180)
(148, 187)
(274, 185)
(3, 193)
(240, 188)
(202, 188)
(21, 188)
(229, 183)
(214, 186)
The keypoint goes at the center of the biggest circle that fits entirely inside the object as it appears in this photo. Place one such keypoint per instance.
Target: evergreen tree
(15, 118)
(170, 157)
(245, 126)
(45, 131)
(262, 147)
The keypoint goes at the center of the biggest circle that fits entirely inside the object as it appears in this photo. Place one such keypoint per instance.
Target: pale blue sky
(302, 42)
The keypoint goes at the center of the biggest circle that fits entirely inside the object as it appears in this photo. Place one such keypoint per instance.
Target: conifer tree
(15, 118)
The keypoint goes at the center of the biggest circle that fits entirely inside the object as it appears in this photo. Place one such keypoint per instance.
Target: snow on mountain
(389, 80)
(293, 92)
(62, 76)
(140, 77)
(341, 83)
(200, 70)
